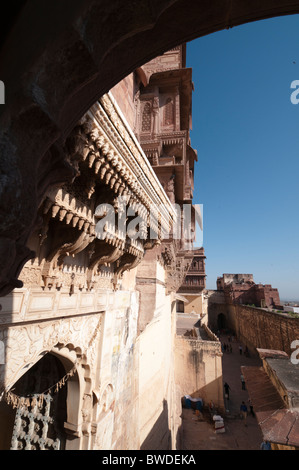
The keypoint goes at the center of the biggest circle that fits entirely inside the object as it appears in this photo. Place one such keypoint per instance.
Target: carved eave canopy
(110, 166)
(127, 152)
(172, 59)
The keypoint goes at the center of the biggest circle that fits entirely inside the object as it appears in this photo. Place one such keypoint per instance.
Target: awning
(279, 424)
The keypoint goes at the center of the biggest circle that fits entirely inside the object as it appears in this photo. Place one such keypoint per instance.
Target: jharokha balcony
(195, 279)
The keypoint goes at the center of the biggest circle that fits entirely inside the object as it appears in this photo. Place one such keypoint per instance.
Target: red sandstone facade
(195, 280)
(241, 289)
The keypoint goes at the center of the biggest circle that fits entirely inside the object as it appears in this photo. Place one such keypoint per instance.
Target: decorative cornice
(132, 157)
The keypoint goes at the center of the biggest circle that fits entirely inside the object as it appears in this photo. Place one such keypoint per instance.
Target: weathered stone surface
(262, 329)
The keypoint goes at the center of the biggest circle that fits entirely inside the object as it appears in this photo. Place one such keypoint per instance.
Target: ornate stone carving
(176, 263)
(24, 345)
(109, 165)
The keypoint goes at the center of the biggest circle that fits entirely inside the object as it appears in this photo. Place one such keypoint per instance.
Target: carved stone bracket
(103, 255)
(176, 263)
(125, 263)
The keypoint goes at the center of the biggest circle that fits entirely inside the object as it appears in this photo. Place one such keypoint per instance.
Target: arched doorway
(221, 321)
(38, 407)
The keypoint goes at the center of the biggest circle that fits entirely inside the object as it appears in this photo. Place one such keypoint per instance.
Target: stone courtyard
(201, 435)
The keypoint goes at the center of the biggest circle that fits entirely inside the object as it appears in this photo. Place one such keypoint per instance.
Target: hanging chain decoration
(37, 399)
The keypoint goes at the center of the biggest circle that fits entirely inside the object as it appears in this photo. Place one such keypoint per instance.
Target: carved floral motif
(25, 345)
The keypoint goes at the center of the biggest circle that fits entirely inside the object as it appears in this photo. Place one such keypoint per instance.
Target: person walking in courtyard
(243, 409)
(243, 382)
(251, 407)
(226, 390)
(265, 445)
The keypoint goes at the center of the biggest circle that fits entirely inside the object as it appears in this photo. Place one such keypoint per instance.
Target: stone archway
(56, 60)
(180, 306)
(39, 425)
(36, 409)
(221, 321)
(73, 342)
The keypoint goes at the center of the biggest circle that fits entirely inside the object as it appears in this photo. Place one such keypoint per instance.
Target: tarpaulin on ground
(192, 402)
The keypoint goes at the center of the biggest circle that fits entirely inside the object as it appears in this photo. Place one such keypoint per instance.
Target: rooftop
(275, 401)
(189, 325)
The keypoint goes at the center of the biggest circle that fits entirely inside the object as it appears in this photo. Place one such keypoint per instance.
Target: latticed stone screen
(34, 425)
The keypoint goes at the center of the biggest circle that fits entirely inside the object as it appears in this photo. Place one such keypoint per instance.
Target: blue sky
(246, 133)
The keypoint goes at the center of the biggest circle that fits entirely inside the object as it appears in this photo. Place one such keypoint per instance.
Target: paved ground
(200, 435)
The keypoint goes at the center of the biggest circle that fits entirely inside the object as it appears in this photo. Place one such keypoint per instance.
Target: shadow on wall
(159, 438)
(180, 437)
(210, 391)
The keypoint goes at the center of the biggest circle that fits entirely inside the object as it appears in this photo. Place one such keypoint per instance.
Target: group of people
(244, 411)
(227, 348)
(246, 407)
(243, 406)
(246, 352)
